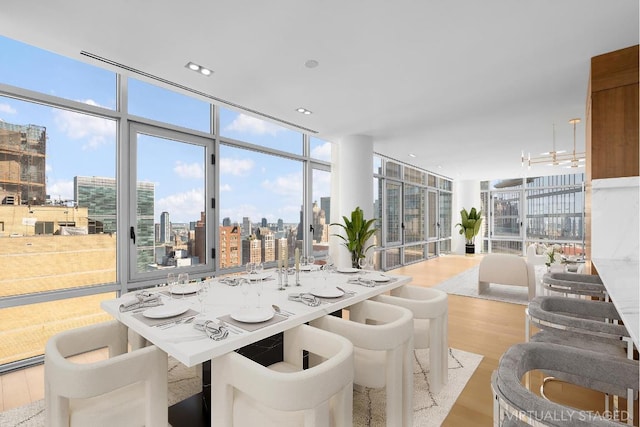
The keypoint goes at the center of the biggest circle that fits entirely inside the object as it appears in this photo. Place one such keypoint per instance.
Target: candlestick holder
(298, 277)
(286, 277)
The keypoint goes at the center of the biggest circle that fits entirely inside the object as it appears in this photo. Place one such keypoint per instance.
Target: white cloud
(287, 185)
(322, 152)
(93, 130)
(251, 125)
(8, 109)
(225, 187)
(60, 189)
(183, 207)
(185, 170)
(236, 167)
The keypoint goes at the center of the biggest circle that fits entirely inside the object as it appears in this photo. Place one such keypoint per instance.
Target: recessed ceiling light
(199, 68)
(412, 155)
(303, 111)
(311, 63)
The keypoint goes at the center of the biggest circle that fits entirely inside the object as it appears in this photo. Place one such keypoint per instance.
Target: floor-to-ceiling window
(108, 181)
(547, 209)
(413, 205)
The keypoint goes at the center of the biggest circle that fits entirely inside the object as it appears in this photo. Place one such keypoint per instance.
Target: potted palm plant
(357, 233)
(470, 227)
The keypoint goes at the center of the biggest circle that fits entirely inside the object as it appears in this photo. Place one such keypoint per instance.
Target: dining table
(251, 308)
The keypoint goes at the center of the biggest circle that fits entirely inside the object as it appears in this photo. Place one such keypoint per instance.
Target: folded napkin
(213, 331)
(305, 298)
(230, 281)
(142, 300)
(362, 282)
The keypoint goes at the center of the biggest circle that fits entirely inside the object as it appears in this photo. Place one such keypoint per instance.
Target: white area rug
(430, 408)
(466, 284)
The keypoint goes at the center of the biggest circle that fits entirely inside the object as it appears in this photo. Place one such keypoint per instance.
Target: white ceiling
(465, 85)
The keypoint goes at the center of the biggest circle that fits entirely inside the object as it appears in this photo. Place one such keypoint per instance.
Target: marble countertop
(621, 279)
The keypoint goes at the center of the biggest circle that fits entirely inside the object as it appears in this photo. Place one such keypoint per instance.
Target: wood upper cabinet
(612, 126)
(613, 147)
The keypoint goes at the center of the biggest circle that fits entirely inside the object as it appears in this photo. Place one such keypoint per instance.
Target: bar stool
(382, 336)
(576, 284)
(579, 324)
(515, 405)
(430, 310)
(284, 394)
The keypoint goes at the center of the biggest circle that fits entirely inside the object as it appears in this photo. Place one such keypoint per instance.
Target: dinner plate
(376, 277)
(185, 290)
(257, 277)
(326, 292)
(168, 310)
(348, 270)
(253, 315)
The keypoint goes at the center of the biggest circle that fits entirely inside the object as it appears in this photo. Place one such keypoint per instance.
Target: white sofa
(506, 269)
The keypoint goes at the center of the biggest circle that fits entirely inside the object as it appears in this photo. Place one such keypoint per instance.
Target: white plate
(326, 292)
(348, 270)
(376, 277)
(180, 290)
(254, 315)
(310, 267)
(162, 311)
(257, 277)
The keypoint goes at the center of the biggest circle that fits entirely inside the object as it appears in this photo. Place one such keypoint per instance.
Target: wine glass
(245, 286)
(171, 282)
(183, 282)
(258, 267)
(311, 259)
(250, 268)
(258, 287)
(202, 293)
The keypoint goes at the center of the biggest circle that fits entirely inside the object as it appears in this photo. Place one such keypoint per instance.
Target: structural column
(351, 186)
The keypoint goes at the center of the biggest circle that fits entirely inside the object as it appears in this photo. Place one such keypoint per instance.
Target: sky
(251, 183)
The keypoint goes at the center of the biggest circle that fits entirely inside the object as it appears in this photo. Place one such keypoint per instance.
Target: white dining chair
(245, 393)
(127, 389)
(430, 308)
(382, 336)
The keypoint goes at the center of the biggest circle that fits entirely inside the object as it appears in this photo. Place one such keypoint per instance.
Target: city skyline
(251, 183)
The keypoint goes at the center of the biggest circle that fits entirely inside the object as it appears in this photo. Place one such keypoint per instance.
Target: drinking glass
(250, 268)
(171, 282)
(202, 292)
(258, 267)
(257, 285)
(245, 286)
(311, 259)
(363, 263)
(183, 281)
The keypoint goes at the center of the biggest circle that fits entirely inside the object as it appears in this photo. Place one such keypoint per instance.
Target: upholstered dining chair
(284, 394)
(382, 336)
(430, 308)
(515, 405)
(127, 389)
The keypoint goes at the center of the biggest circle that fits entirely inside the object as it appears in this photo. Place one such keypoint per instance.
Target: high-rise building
(280, 225)
(263, 223)
(325, 205)
(267, 244)
(226, 222)
(229, 249)
(22, 164)
(251, 250)
(246, 226)
(165, 228)
(98, 195)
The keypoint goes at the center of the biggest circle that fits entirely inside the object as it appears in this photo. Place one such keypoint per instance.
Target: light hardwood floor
(475, 325)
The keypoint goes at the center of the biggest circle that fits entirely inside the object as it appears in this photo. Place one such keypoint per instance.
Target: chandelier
(558, 157)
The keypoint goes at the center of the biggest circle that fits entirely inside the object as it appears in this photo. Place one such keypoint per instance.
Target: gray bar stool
(579, 324)
(515, 405)
(575, 284)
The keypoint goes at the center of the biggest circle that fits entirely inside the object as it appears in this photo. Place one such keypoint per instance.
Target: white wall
(466, 194)
(351, 186)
